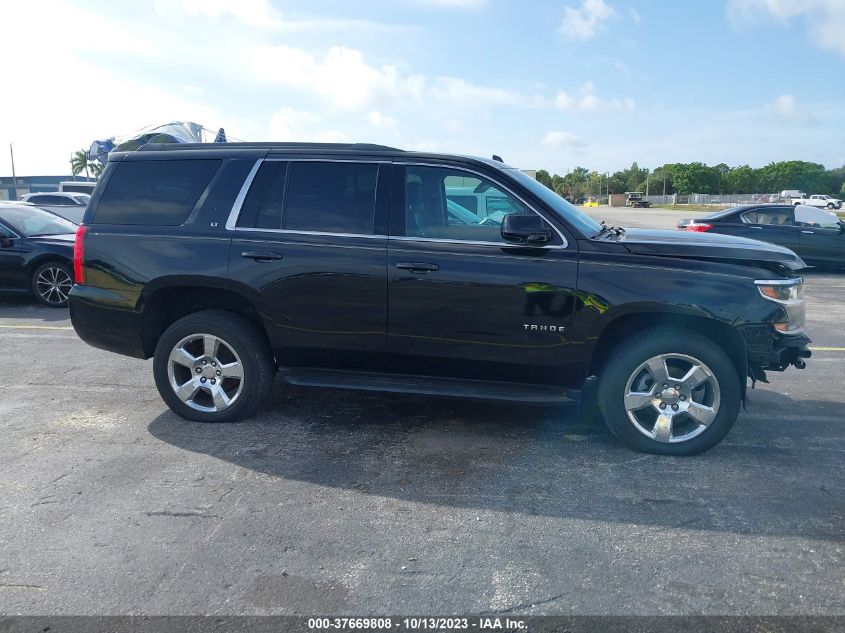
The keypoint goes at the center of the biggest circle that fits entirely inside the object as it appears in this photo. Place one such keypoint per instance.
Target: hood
(709, 246)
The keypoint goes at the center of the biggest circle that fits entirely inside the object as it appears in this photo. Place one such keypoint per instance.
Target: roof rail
(351, 147)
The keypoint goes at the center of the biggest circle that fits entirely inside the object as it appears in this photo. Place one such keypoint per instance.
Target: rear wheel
(670, 392)
(51, 283)
(213, 366)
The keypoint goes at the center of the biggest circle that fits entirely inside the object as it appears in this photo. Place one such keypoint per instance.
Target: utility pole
(14, 177)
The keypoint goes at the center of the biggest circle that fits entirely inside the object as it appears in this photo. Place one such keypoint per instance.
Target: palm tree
(79, 163)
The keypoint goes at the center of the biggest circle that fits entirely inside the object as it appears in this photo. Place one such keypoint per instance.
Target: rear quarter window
(156, 192)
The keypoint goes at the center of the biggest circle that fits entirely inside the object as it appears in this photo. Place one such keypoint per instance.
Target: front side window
(444, 203)
(812, 216)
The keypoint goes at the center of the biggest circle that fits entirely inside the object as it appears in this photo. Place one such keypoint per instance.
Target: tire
(51, 282)
(830, 205)
(704, 415)
(239, 363)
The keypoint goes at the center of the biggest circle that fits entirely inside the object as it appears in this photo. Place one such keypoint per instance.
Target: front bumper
(768, 349)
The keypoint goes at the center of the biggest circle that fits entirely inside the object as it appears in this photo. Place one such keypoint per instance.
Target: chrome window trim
(231, 221)
(530, 207)
(405, 238)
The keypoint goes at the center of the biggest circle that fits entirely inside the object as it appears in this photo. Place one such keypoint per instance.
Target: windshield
(811, 216)
(33, 222)
(580, 220)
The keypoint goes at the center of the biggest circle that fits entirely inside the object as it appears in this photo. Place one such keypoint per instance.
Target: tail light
(698, 227)
(79, 255)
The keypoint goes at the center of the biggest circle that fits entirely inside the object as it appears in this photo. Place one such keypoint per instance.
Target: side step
(429, 386)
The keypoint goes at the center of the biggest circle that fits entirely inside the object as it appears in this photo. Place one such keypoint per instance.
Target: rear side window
(262, 207)
(331, 197)
(324, 197)
(157, 192)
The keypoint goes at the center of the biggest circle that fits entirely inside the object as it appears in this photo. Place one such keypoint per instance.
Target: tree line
(687, 178)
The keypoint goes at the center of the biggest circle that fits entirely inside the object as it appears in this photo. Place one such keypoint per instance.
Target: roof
(368, 149)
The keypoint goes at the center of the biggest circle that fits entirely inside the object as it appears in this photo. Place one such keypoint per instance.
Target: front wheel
(213, 366)
(670, 392)
(830, 205)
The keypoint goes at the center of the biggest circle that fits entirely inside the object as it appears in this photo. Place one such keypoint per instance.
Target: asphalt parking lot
(347, 503)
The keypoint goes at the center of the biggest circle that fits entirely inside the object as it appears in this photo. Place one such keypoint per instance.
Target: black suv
(367, 267)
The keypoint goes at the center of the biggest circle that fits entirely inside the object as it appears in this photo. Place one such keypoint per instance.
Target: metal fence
(723, 200)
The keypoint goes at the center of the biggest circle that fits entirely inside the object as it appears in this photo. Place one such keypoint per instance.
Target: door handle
(809, 232)
(262, 256)
(418, 267)
(756, 228)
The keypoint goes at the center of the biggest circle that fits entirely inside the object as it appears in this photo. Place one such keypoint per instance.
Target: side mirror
(841, 227)
(6, 242)
(525, 229)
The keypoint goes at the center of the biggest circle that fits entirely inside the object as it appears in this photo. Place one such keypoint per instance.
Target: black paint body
(504, 312)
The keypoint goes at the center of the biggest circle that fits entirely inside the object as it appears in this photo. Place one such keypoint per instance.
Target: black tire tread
(254, 352)
(624, 358)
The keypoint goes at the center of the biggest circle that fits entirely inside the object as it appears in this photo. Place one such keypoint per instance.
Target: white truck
(818, 200)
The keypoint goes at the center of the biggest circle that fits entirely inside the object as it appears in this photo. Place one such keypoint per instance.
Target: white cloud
(380, 120)
(565, 140)
(583, 23)
(587, 101)
(342, 76)
(787, 110)
(635, 16)
(825, 19)
(289, 124)
(462, 91)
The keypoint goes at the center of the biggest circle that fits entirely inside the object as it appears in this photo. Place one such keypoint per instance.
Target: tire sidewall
(34, 276)
(243, 347)
(654, 342)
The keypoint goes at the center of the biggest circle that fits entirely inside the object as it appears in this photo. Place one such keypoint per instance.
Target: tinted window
(331, 197)
(446, 203)
(161, 192)
(56, 200)
(262, 207)
(5, 232)
(775, 217)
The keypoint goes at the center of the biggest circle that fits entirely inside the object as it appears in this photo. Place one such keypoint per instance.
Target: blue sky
(545, 84)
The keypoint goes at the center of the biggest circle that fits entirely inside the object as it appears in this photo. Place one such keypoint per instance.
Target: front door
(775, 225)
(308, 248)
(822, 239)
(11, 260)
(464, 303)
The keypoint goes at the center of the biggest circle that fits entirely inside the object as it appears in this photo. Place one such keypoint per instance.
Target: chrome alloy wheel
(672, 398)
(53, 285)
(205, 373)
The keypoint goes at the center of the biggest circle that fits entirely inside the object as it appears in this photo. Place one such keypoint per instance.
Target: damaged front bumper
(769, 350)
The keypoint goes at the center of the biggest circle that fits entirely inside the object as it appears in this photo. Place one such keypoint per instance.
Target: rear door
(775, 225)
(463, 302)
(309, 245)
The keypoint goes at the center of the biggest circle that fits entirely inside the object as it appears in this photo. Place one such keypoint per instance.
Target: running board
(429, 386)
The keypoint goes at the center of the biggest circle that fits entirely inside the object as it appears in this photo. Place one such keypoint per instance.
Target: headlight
(782, 290)
(789, 293)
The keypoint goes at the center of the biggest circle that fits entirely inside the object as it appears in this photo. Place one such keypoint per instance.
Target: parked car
(789, 194)
(36, 253)
(70, 206)
(821, 201)
(817, 236)
(342, 266)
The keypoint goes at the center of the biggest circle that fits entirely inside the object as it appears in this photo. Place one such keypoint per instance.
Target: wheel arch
(626, 325)
(163, 305)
